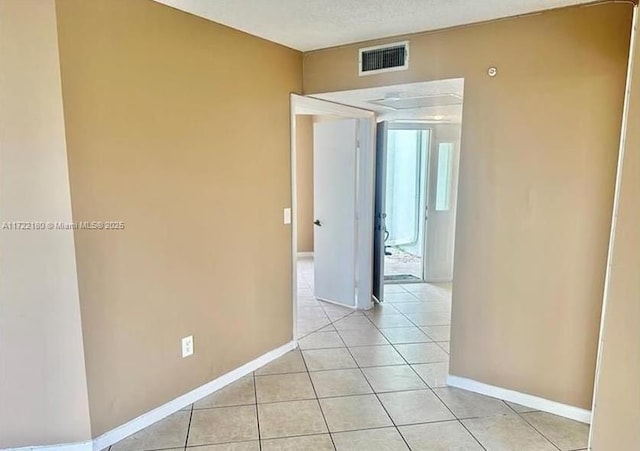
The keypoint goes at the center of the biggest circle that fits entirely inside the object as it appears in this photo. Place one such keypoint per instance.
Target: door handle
(317, 222)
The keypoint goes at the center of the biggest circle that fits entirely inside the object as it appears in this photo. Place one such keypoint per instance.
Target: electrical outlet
(287, 215)
(187, 346)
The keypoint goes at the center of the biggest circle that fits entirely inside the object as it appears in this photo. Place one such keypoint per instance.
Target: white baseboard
(157, 414)
(79, 446)
(534, 402)
(305, 254)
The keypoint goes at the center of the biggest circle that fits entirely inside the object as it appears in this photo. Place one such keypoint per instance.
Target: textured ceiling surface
(314, 24)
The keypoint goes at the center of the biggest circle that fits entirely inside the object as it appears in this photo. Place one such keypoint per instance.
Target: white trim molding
(524, 399)
(79, 446)
(305, 254)
(157, 414)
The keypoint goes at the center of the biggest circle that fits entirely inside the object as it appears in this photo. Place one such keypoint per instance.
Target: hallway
(360, 381)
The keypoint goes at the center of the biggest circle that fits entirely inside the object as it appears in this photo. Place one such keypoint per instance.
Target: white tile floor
(360, 381)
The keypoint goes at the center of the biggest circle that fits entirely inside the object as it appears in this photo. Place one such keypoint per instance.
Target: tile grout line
(393, 345)
(324, 418)
(460, 419)
(407, 364)
(255, 394)
(376, 394)
(186, 440)
(433, 391)
(532, 426)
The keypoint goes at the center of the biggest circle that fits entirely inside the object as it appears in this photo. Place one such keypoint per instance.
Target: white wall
(43, 392)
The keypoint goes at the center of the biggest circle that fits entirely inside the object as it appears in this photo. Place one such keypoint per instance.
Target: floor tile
(321, 340)
(507, 433)
(393, 288)
(328, 359)
(450, 435)
(168, 433)
(437, 333)
(388, 321)
(387, 439)
(428, 291)
(354, 412)
(328, 328)
(382, 355)
(335, 312)
(416, 406)
(393, 378)
(353, 322)
(236, 446)
(429, 318)
(382, 309)
(424, 307)
(434, 374)
(340, 383)
(363, 337)
(306, 443)
(238, 393)
(291, 362)
(223, 425)
(402, 335)
(444, 345)
(315, 315)
(466, 404)
(284, 387)
(286, 419)
(566, 434)
(520, 409)
(422, 353)
(399, 297)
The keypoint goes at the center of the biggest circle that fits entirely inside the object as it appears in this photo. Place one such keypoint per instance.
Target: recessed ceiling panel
(407, 103)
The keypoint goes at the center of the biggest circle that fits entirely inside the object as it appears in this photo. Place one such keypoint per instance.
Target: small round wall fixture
(492, 71)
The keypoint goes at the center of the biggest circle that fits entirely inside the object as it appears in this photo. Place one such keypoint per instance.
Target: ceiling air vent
(384, 58)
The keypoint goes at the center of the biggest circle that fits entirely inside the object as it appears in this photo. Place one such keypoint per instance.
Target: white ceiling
(314, 24)
(446, 111)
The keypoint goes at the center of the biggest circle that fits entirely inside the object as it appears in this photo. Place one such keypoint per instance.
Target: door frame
(365, 179)
(422, 126)
(438, 136)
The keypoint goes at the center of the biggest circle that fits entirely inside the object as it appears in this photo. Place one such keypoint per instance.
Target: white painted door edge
(524, 399)
(147, 419)
(305, 254)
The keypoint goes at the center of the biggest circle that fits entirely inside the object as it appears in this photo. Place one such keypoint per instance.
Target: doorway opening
(419, 127)
(405, 192)
(332, 211)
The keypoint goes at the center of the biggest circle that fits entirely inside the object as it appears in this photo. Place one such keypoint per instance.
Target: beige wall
(539, 147)
(43, 390)
(304, 181)
(180, 128)
(617, 403)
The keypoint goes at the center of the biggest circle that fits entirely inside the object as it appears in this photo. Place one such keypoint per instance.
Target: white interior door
(441, 208)
(334, 190)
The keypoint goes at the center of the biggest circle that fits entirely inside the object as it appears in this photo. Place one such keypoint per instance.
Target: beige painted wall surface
(539, 149)
(43, 390)
(617, 404)
(180, 128)
(304, 181)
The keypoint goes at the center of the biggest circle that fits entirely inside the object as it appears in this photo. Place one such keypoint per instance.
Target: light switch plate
(287, 215)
